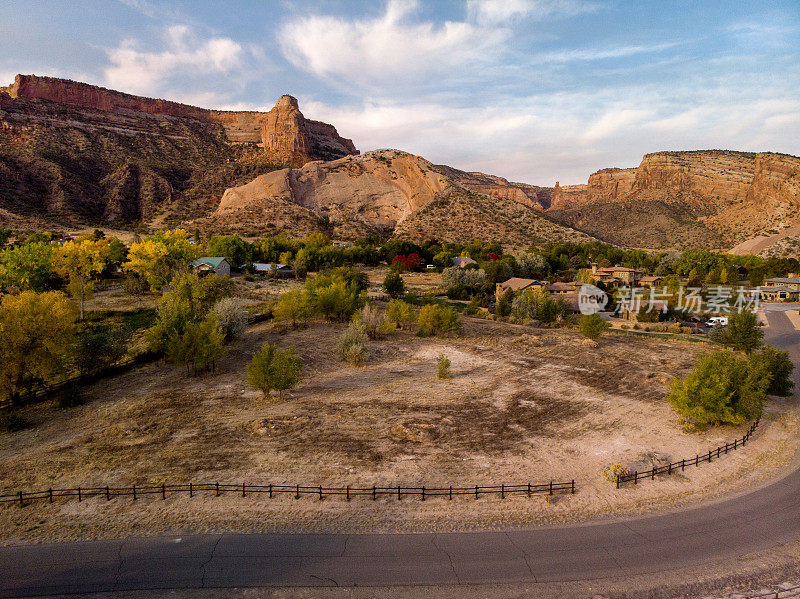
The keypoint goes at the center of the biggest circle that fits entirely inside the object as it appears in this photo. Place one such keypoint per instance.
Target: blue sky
(532, 90)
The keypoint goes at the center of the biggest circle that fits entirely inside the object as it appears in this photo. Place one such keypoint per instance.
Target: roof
(463, 260)
(517, 283)
(562, 286)
(264, 266)
(650, 278)
(790, 280)
(616, 269)
(777, 288)
(212, 261)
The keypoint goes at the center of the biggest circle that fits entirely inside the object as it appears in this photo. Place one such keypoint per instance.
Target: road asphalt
(746, 524)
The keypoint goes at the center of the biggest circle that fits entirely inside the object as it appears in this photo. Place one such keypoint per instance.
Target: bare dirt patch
(523, 405)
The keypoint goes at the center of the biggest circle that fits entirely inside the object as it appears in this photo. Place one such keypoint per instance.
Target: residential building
(215, 264)
(463, 261)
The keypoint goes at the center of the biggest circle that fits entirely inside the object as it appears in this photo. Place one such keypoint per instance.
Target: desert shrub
(780, 367)
(674, 328)
(473, 306)
(95, 349)
(612, 472)
(723, 388)
(637, 327)
(374, 321)
(537, 304)
(393, 284)
(686, 330)
(401, 314)
(437, 319)
(442, 367)
(352, 344)
(624, 327)
(135, 285)
(592, 325)
(462, 277)
(338, 293)
(199, 346)
(274, 369)
(232, 318)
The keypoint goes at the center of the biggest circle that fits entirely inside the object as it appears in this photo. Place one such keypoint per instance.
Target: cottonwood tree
(159, 258)
(292, 305)
(742, 333)
(401, 314)
(274, 369)
(79, 261)
(36, 333)
(27, 267)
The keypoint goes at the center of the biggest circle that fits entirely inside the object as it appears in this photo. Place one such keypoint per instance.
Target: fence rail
(217, 489)
(695, 461)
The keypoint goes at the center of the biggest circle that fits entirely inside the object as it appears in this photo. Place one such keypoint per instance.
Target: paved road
(749, 523)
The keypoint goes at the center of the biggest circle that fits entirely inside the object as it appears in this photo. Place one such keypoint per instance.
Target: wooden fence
(695, 461)
(217, 489)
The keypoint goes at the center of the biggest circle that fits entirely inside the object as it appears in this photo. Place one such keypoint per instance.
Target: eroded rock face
(609, 184)
(283, 131)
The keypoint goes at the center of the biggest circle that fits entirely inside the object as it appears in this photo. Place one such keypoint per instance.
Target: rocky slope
(386, 191)
(75, 154)
(709, 198)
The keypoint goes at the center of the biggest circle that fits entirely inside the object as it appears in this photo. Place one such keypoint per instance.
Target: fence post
(709, 456)
(216, 488)
(374, 491)
(683, 464)
(134, 492)
(21, 504)
(572, 487)
(79, 495)
(617, 481)
(243, 491)
(476, 491)
(191, 490)
(270, 490)
(108, 494)
(320, 492)
(51, 495)
(529, 489)
(502, 491)
(551, 487)
(635, 477)
(297, 492)
(451, 493)
(669, 468)
(423, 492)
(348, 492)
(163, 490)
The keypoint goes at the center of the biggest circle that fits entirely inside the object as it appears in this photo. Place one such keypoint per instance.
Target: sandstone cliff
(283, 131)
(710, 198)
(384, 191)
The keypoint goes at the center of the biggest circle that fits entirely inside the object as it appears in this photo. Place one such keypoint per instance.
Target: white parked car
(430, 267)
(721, 321)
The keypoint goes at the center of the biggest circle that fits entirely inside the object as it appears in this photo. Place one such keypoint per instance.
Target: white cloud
(598, 53)
(137, 71)
(390, 49)
(501, 11)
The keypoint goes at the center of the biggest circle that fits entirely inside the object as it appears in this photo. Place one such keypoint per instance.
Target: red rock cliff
(283, 130)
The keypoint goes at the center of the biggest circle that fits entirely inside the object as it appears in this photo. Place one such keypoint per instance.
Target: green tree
(199, 346)
(79, 261)
(292, 305)
(592, 325)
(742, 333)
(723, 388)
(442, 367)
(274, 369)
(161, 257)
(232, 318)
(401, 314)
(97, 348)
(393, 283)
(27, 267)
(779, 365)
(231, 247)
(36, 334)
(503, 308)
(438, 319)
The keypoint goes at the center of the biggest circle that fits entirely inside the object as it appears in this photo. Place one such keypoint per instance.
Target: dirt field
(523, 405)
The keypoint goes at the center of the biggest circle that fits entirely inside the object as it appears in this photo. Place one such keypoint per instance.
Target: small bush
(674, 328)
(393, 284)
(592, 325)
(612, 472)
(231, 317)
(778, 364)
(443, 367)
(437, 319)
(352, 344)
(636, 327)
(274, 369)
(374, 321)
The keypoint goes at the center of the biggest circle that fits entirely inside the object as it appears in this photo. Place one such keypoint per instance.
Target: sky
(536, 91)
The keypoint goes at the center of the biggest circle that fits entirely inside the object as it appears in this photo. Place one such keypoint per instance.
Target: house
(516, 284)
(216, 264)
(463, 261)
(560, 289)
(267, 269)
(633, 315)
(779, 293)
(615, 275)
(791, 282)
(651, 281)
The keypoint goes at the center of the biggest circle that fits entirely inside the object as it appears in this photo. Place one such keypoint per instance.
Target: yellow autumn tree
(36, 333)
(159, 258)
(80, 261)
